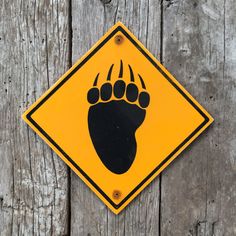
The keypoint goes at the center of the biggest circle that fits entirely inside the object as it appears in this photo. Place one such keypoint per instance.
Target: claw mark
(142, 82)
(109, 73)
(131, 74)
(121, 69)
(96, 80)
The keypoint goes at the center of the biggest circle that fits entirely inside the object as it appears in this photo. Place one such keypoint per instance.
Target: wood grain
(33, 180)
(195, 195)
(89, 216)
(198, 189)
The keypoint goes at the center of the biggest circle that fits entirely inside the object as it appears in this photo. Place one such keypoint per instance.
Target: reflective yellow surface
(173, 118)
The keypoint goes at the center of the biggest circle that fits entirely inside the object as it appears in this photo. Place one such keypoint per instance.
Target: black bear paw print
(115, 113)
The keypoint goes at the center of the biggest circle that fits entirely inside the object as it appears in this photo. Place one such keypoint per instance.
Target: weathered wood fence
(196, 41)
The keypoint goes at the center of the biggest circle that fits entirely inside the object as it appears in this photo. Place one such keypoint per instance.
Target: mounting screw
(119, 39)
(116, 194)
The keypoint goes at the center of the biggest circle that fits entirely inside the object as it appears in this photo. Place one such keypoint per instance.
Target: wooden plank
(33, 181)
(199, 189)
(90, 20)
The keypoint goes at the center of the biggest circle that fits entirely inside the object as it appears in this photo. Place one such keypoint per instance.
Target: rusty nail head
(119, 39)
(116, 194)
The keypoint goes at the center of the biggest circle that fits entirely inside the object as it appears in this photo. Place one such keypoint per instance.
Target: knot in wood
(105, 1)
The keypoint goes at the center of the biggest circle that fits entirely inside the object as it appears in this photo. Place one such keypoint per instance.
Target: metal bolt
(116, 194)
(119, 39)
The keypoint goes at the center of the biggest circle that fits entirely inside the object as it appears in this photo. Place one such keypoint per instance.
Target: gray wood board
(33, 181)
(198, 189)
(89, 216)
(195, 195)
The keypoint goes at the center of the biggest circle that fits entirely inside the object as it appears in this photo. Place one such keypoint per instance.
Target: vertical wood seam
(161, 60)
(70, 38)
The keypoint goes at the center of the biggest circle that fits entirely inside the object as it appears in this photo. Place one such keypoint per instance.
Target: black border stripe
(29, 117)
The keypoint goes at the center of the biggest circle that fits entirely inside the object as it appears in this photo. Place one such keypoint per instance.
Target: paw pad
(119, 90)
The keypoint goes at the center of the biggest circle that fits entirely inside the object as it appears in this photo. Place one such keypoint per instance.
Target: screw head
(116, 194)
(119, 39)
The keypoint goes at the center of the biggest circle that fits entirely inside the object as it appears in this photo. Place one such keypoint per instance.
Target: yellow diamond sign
(117, 117)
